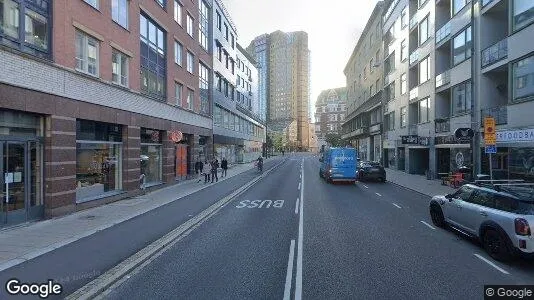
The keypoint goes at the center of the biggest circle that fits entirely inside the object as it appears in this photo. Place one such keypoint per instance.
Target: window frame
(425, 19)
(190, 62)
(467, 100)
(89, 2)
(405, 52)
(427, 65)
(513, 69)
(162, 3)
(178, 87)
(127, 6)
(121, 56)
(455, 10)
(178, 13)
(513, 26)
(86, 39)
(178, 45)
(419, 118)
(403, 117)
(403, 83)
(190, 99)
(468, 52)
(190, 27)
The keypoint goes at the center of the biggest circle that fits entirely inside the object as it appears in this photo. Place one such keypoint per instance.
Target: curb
(141, 258)
(410, 189)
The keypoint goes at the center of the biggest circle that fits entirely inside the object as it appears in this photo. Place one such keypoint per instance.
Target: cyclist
(260, 163)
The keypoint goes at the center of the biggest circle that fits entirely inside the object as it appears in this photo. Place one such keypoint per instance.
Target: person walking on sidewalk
(224, 167)
(206, 170)
(199, 169)
(214, 168)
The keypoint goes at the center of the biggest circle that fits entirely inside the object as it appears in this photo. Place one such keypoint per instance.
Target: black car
(368, 170)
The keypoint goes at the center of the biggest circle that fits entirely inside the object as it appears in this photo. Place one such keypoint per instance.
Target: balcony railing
(500, 114)
(414, 93)
(443, 78)
(495, 53)
(443, 125)
(412, 129)
(443, 32)
(414, 57)
(413, 21)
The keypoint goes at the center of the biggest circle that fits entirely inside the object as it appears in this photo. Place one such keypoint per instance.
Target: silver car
(499, 216)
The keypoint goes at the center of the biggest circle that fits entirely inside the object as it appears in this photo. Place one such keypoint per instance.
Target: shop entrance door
(20, 181)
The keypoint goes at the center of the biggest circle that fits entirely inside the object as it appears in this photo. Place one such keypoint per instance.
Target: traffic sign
(490, 137)
(491, 149)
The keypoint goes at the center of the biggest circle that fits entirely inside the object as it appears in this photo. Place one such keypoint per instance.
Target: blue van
(339, 164)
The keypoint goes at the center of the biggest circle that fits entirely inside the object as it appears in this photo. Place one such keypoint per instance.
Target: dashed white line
(398, 206)
(298, 281)
(289, 274)
(365, 186)
(428, 225)
(491, 264)
(378, 195)
(297, 206)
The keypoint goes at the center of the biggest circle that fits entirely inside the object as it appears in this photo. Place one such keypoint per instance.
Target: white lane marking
(428, 225)
(491, 264)
(378, 195)
(299, 185)
(365, 186)
(297, 206)
(398, 206)
(298, 281)
(289, 274)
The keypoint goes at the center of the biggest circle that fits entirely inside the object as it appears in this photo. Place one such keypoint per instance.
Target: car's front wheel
(436, 214)
(495, 245)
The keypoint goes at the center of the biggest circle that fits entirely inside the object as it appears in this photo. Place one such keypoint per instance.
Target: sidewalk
(29, 240)
(418, 183)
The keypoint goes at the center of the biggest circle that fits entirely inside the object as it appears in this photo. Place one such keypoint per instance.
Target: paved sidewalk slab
(27, 241)
(418, 183)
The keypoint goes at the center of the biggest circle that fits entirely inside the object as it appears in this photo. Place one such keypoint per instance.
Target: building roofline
(227, 15)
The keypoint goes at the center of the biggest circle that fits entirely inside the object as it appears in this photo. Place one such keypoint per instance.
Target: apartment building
(98, 99)
(364, 73)
(259, 49)
(330, 109)
(237, 131)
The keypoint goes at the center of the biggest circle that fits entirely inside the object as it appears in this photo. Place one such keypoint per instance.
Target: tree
(334, 140)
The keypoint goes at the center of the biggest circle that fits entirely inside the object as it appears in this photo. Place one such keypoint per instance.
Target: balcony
(414, 93)
(443, 79)
(414, 21)
(414, 57)
(443, 32)
(412, 129)
(500, 114)
(442, 125)
(495, 53)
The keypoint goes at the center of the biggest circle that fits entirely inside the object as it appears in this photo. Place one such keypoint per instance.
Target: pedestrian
(206, 171)
(224, 166)
(199, 169)
(214, 168)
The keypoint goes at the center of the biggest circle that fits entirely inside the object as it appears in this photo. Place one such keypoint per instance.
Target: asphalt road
(290, 234)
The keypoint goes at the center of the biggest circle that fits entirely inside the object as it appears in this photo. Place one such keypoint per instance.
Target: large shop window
(98, 159)
(33, 17)
(153, 59)
(461, 98)
(523, 11)
(151, 156)
(523, 79)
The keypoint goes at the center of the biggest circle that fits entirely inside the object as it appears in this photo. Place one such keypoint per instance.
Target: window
(423, 31)
(190, 25)
(461, 98)
(219, 20)
(153, 58)
(403, 117)
(119, 12)
(483, 198)
(217, 82)
(219, 52)
(178, 50)
(178, 91)
(404, 17)
(119, 64)
(389, 64)
(93, 3)
(404, 50)
(371, 90)
(390, 121)
(190, 97)
(35, 24)
(226, 31)
(523, 11)
(424, 70)
(390, 91)
(190, 62)
(238, 80)
(203, 26)
(161, 3)
(203, 77)
(464, 193)
(371, 65)
(457, 5)
(423, 110)
(377, 85)
(523, 79)
(87, 53)
(231, 92)
(507, 204)
(232, 40)
(403, 87)
(461, 46)
(178, 8)
(225, 88)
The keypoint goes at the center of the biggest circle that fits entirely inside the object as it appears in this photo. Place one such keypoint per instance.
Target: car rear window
(525, 208)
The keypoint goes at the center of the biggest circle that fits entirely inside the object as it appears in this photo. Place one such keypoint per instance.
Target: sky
(333, 29)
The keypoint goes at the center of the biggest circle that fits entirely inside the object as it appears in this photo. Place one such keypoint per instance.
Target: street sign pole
(491, 168)
(490, 141)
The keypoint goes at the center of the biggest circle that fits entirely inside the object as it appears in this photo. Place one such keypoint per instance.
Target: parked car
(368, 170)
(338, 164)
(499, 216)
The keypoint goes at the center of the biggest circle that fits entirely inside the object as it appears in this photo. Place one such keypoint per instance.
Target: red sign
(176, 136)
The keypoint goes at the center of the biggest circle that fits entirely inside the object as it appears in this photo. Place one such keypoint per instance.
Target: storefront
(452, 153)
(363, 149)
(98, 160)
(418, 153)
(390, 158)
(151, 157)
(21, 167)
